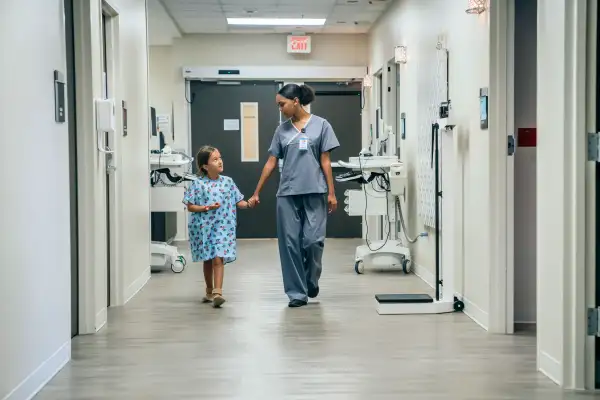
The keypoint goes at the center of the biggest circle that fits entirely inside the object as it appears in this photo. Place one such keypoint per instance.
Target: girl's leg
(208, 278)
(218, 272)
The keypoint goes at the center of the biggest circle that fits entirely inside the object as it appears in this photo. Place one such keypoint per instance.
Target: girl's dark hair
(202, 158)
(305, 94)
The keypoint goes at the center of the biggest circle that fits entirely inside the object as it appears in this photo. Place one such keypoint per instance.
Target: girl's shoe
(208, 297)
(218, 299)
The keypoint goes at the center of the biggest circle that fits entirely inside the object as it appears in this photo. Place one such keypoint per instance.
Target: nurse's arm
(326, 167)
(268, 169)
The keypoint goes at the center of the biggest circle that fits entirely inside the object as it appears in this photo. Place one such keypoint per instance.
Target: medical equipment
(445, 301)
(167, 190)
(384, 181)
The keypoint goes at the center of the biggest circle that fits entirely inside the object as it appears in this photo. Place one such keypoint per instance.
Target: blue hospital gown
(213, 233)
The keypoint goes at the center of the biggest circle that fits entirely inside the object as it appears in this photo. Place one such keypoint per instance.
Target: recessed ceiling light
(277, 21)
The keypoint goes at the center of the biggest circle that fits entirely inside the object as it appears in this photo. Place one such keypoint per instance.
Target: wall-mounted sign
(298, 44)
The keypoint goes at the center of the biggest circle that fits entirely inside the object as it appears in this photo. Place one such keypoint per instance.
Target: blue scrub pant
(301, 229)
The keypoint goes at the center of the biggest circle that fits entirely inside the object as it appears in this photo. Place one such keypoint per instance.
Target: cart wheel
(359, 267)
(177, 266)
(406, 265)
(459, 305)
(183, 260)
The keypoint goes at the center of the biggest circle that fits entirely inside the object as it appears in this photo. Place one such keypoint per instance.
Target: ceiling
(209, 16)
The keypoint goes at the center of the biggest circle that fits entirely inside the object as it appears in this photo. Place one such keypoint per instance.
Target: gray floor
(166, 345)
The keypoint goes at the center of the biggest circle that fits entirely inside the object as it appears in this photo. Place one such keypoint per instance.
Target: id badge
(303, 143)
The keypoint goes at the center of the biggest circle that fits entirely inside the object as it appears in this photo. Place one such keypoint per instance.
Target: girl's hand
(331, 203)
(213, 206)
(253, 201)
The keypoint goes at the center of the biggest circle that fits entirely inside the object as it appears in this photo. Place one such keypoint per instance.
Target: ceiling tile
(209, 16)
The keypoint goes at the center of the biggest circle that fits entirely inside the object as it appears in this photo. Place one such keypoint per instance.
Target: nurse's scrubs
(302, 203)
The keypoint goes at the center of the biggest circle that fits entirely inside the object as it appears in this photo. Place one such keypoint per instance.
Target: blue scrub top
(301, 154)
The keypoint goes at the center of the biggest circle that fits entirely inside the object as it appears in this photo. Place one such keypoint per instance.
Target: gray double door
(213, 103)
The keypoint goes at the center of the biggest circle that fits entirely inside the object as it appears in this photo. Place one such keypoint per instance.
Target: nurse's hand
(253, 201)
(331, 203)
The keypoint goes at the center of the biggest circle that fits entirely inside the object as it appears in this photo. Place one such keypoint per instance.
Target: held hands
(331, 203)
(253, 201)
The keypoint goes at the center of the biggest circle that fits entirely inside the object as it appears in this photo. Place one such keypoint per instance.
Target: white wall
(525, 161)
(417, 24)
(134, 148)
(34, 209)
(130, 228)
(167, 87)
(35, 340)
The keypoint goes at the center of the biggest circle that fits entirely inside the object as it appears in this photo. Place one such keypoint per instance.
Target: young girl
(212, 200)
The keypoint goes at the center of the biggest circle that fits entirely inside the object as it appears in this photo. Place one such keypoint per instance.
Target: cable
(387, 236)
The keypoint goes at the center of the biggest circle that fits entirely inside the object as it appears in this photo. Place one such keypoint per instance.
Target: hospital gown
(213, 233)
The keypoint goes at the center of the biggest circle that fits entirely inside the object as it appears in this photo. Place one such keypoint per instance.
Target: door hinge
(593, 327)
(511, 145)
(593, 147)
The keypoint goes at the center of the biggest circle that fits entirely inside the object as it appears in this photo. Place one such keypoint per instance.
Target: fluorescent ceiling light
(276, 21)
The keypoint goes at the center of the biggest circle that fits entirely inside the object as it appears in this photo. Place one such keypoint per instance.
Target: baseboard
(425, 275)
(480, 317)
(471, 310)
(101, 318)
(137, 285)
(31, 385)
(550, 367)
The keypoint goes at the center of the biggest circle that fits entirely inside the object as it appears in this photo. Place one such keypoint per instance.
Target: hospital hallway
(165, 344)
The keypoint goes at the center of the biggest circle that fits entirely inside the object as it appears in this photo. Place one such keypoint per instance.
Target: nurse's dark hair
(202, 158)
(305, 94)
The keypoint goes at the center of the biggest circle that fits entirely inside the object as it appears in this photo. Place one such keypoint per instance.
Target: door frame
(577, 241)
(273, 73)
(591, 190)
(115, 270)
(91, 166)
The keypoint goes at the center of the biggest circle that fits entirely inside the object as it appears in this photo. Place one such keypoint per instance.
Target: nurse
(306, 193)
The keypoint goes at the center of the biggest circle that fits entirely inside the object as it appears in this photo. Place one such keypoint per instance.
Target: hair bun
(308, 95)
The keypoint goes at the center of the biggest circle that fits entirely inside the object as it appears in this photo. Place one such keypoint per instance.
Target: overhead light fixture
(277, 21)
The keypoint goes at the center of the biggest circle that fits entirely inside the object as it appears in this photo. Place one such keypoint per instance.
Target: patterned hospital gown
(213, 233)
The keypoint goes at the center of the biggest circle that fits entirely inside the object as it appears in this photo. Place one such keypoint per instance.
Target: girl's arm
(199, 209)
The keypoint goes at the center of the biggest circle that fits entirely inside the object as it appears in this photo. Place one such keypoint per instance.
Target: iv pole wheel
(359, 267)
(178, 266)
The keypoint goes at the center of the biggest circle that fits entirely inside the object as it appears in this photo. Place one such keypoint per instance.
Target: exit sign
(298, 44)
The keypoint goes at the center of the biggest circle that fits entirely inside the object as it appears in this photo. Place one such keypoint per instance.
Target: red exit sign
(298, 44)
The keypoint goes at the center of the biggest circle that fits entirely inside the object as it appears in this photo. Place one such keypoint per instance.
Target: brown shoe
(218, 299)
(208, 297)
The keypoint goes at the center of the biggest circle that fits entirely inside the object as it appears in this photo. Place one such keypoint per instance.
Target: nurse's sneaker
(297, 303)
(218, 299)
(312, 293)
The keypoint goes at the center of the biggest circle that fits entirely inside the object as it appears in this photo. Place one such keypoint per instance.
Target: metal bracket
(511, 145)
(593, 327)
(593, 147)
